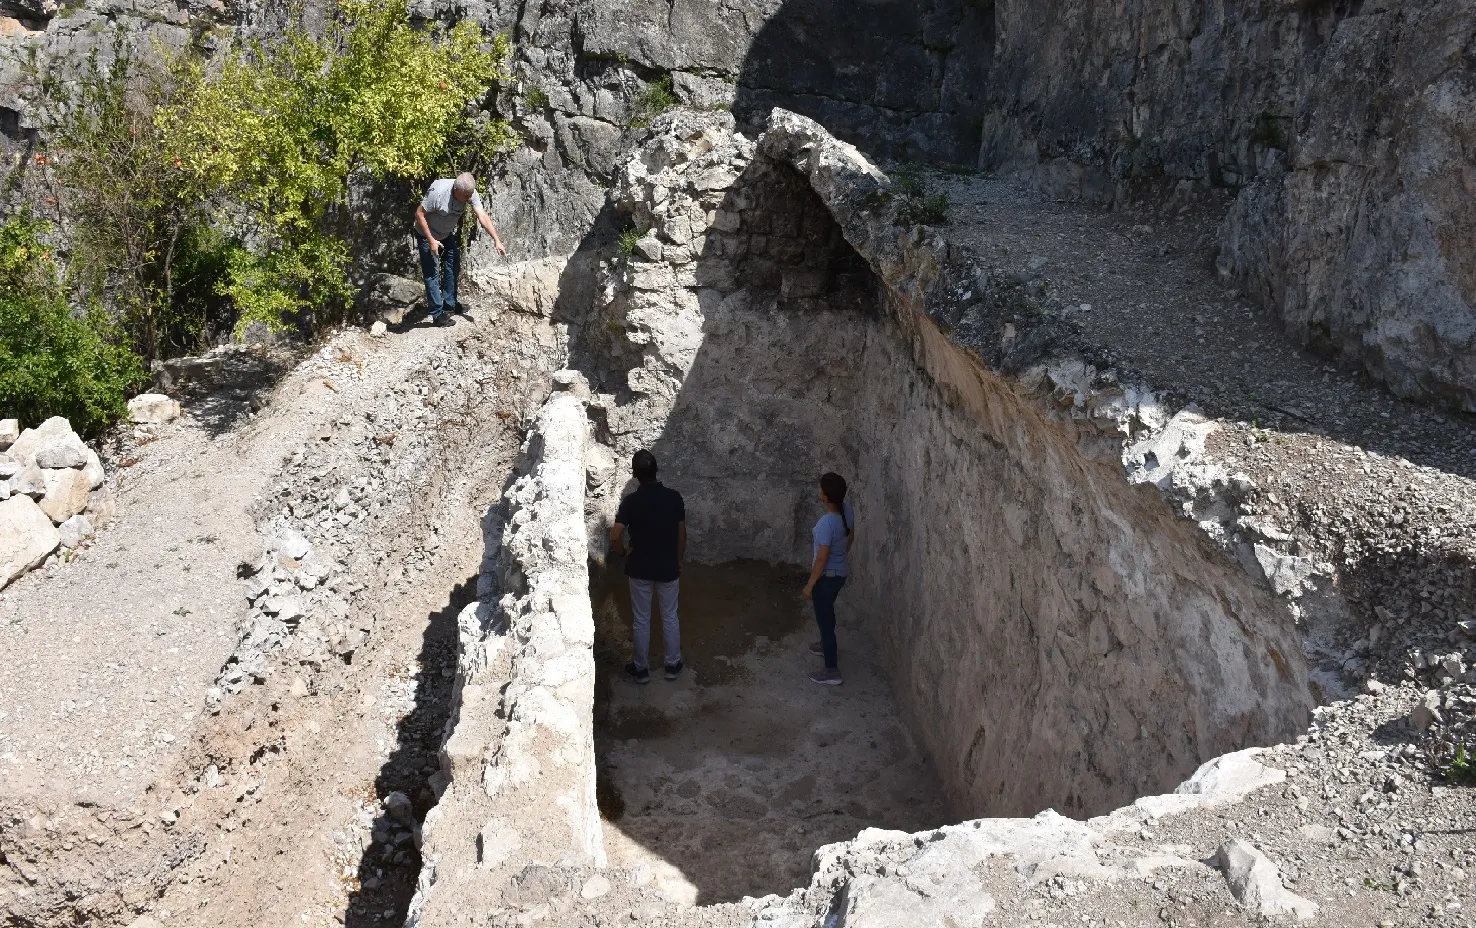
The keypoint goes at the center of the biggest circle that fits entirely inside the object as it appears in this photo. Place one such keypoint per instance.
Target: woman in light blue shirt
(833, 535)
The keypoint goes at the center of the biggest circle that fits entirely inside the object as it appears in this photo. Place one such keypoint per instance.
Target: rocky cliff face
(1340, 131)
(1344, 129)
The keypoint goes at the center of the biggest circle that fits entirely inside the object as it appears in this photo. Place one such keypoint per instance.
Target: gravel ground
(125, 789)
(1140, 286)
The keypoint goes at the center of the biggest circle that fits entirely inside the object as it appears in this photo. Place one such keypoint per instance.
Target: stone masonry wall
(518, 764)
(1043, 612)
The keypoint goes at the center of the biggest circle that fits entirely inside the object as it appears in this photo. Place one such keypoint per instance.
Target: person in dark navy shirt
(651, 530)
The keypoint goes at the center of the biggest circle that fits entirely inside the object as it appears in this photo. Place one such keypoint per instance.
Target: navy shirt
(651, 515)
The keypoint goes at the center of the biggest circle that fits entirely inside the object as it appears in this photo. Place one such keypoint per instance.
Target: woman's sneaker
(638, 674)
(826, 677)
(673, 670)
(817, 648)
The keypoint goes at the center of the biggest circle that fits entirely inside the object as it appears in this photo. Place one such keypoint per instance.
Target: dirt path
(123, 792)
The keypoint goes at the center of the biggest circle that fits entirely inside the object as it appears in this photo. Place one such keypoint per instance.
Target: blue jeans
(823, 596)
(440, 283)
(671, 626)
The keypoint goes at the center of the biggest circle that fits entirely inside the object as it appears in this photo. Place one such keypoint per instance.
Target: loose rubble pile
(341, 486)
(52, 494)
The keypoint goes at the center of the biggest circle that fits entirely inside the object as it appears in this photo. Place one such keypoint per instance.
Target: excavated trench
(1024, 629)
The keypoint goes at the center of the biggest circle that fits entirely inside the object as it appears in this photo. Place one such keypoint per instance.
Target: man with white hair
(438, 237)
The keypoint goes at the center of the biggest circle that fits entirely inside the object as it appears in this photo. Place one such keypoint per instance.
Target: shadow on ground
(390, 867)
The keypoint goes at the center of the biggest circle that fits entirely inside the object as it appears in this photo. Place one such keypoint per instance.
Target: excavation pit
(724, 782)
(1031, 622)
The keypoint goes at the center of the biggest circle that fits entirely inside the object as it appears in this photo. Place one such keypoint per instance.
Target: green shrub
(915, 205)
(136, 210)
(275, 131)
(281, 126)
(657, 98)
(535, 98)
(628, 240)
(54, 362)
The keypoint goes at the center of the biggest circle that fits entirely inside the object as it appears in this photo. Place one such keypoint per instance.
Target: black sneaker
(673, 670)
(638, 674)
(443, 321)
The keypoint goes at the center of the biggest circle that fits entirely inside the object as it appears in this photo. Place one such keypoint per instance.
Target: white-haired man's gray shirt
(443, 211)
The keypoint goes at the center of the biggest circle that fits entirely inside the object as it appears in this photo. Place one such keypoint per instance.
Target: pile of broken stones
(53, 492)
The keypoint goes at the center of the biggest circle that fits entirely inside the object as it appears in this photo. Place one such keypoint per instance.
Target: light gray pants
(671, 629)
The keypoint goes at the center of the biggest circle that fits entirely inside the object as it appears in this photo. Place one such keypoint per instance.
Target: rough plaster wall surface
(1020, 583)
(519, 762)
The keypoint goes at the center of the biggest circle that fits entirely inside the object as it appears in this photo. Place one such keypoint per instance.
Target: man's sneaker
(673, 670)
(817, 648)
(826, 677)
(638, 674)
(444, 321)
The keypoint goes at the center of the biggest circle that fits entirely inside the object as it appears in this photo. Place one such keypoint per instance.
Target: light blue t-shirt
(830, 530)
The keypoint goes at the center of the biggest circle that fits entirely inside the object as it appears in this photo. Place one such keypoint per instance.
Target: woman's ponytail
(834, 487)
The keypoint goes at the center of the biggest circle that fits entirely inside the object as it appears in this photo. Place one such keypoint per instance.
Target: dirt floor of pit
(724, 782)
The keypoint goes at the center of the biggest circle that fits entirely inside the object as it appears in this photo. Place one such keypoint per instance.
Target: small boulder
(1255, 882)
(33, 440)
(102, 508)
(290, 544)
(66, 494)
(62, 450)
(152, 409)
(75, 530)
(26, 537)
(29, 482)
(1426, 712)
(9, 432)
(94, 470)
(378, 329)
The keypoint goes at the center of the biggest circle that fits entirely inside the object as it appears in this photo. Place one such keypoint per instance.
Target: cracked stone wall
(518, 765)
(1044, 613)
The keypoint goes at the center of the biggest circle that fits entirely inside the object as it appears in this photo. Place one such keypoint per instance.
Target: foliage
(137, 212)
(915, 205)
(1462, 767)
(657, 98)
(535, 98)
(628, 240)
(282, 125)
(53, 362)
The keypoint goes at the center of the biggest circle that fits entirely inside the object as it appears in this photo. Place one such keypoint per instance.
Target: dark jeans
(440, 288)
(823, 596)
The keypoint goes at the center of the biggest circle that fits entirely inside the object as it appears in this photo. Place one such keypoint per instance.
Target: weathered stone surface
(62, 450)
(1345, 145)
(26, 537)
(75, 530)
(1256, 882)
(30, 441)
(9, 432)
(66, 493)
(29, 481)
(94, 470)
(102, 507)
(152, 409)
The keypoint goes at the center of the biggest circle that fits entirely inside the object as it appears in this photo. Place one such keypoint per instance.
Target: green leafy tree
(283, 125)
(138, 214)
(54, 362)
